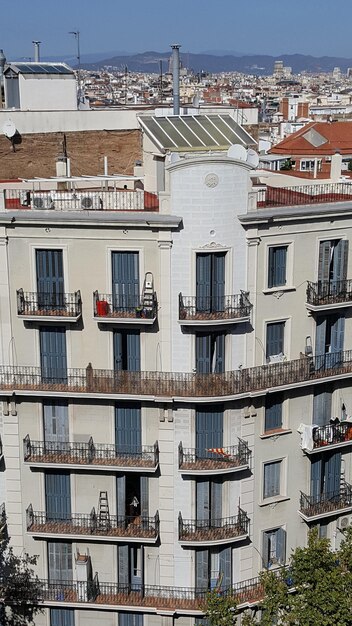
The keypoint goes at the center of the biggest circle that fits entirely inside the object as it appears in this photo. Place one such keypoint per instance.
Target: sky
(275, 27)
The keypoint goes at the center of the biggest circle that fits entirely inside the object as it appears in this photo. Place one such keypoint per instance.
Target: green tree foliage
(220, 609)
(20, 588)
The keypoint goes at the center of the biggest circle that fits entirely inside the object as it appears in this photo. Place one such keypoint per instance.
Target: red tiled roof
(337, 134)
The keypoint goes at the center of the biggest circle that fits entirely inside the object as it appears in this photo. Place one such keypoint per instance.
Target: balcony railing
(329, 292)
(81, 200)
(305, 194)
(80, 524)
(231, 457)
(210, 530)
(214, 308)
(176, 384)
(90, 453)
(331, 435)
(326, 503)
(179, 599)
(1, 449)
(123, 306)
(38, 304)
(3, 520)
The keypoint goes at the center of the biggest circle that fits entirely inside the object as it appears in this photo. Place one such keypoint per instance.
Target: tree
(220, 609)
(20, 588)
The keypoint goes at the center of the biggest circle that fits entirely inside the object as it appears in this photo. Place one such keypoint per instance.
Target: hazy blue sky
(318, 27)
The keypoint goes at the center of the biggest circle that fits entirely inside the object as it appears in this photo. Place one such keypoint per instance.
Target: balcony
(331, 436)
(123, 309)
(326, 504)
(144, 598)
(217, 461)
(213, 531)
(178, 385)
(81, 200)
(90, 527)
(329, 294)
(90, 455)
(212, 311)
(305, 194)
(49, 307)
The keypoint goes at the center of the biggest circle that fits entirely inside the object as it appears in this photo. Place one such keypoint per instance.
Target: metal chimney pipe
(176, 77)
(36, 50)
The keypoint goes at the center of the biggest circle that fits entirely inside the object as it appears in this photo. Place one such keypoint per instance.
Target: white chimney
(335, 166)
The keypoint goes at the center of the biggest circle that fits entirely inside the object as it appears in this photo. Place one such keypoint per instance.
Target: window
(60, 561)
(127, 351)
(277, 266)
(272, 479)
(274, 547)
(210, 282)
(125, 280)
(275, 340)
(130, 619)
(57, 495)
(209, 431)
(325, 477)
(128, 429)
(308, 165)
(130, 565)
(273, 412)
(50, 279)
(333, 257)
(322, 405)
(62, 617)
(329, 340)
(210, 353)
(53, 361)
(209, 501)
(213, 568)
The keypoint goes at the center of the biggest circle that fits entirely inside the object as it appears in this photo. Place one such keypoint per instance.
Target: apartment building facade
(161, 371)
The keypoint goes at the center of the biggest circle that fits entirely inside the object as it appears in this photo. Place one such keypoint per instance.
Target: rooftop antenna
(36, 50)
(176, 76)
(76, 34)
(161, 80)
(126, 77)
(2, 67)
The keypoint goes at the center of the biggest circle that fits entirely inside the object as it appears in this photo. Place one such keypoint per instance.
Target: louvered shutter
(123, 565)
(281, 545)
(50, 278)
(118, 353)
(320, 338)
(203, 354)
(57, 495)
(337, 341)
(225, 567)
(216, 502)
(121, 495)
(324, 261)
(130, 619)
(322, 406)
(316, 477)
(136, 556)
(62, 617)
(340, 261)
(266, 555)
(275, 338)
(332, 475)
(60, 561)
(273, 412)
(128, 430)
(218, 282)
(55, 416)
(144, 496)
(202, 569)
(203, 282)
(277, 266)
(272, 479)
(219, 354)
(125, 280)
(203, 500)
(133, 352)
(209, 432)
(53, 358)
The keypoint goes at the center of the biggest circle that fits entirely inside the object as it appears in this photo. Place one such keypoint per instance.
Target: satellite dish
(252, 158)
(9, 129)
(236, 151)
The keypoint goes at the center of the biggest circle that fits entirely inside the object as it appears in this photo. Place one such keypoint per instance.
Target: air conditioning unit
(276, 358)
(345, 522)
(90, 202)
(42, 201)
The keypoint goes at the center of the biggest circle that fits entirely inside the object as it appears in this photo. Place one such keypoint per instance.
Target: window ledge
(279, 288)
(273, 500)
(275, 433)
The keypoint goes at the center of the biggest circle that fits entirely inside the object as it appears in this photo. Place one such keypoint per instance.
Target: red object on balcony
(102, 308)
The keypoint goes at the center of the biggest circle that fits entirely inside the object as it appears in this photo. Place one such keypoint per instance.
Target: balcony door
(210, 282)
(132, 496)
(209, 502)
(130, 566)
(210, 353)
(209, 432)
(125, 280)
(55, 417)
(213, 569)
(50, 279)
(326, 476)
(322, 405)
(333, 257)
(329, 340)
(60, 561)
(53, 358)
(57, 495)
(128, 429)
(127, 351)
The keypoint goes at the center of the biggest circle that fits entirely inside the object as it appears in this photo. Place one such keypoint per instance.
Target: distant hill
(249, 64)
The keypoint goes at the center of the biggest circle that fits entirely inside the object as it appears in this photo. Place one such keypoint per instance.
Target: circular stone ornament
(211, 180)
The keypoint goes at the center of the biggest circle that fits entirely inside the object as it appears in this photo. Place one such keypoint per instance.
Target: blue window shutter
(277, 266)
(60, 561)
(219, 354)
(274, 338)
(203, 500)
(62, 617)
(203, 282)
(125, 279)
(128, 430)
(272, 479)
(340, 260)
(273, 411)
(216, 501)
(123, 564)
(209, 431)
(133, 352)
(57, 495)
(332, 474)
(202, 569)
(203, 354)
(316, 477)
(225, 567)
(53, 358)
(130, 619)
(320, 335)
(50, 274)
(118, 353)
(136, 577)
(281, 545)
(144, 496)
(322, 405)
(338, 334)
(121, 494)
(55, 417)
(218, 282)
(324, 261)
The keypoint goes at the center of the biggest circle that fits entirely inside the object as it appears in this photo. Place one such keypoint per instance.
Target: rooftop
(39, 68)
(317, 138)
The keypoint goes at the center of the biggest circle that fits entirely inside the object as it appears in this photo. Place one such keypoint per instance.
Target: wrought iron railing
(326, 292)
(47, 304)
(1, 448)
(214, 458)
(203, 308)
(327, 502)
(120, 594)
(325, 436)
(3, 520)
(305, 194)
(114, 526)
(90, 453)
(213, 529)
(129, 306)
(81, 200)
(177, 384)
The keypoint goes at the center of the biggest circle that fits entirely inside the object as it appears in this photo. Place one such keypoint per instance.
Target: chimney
(36, 50)
(176, 77)
(335, 166)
